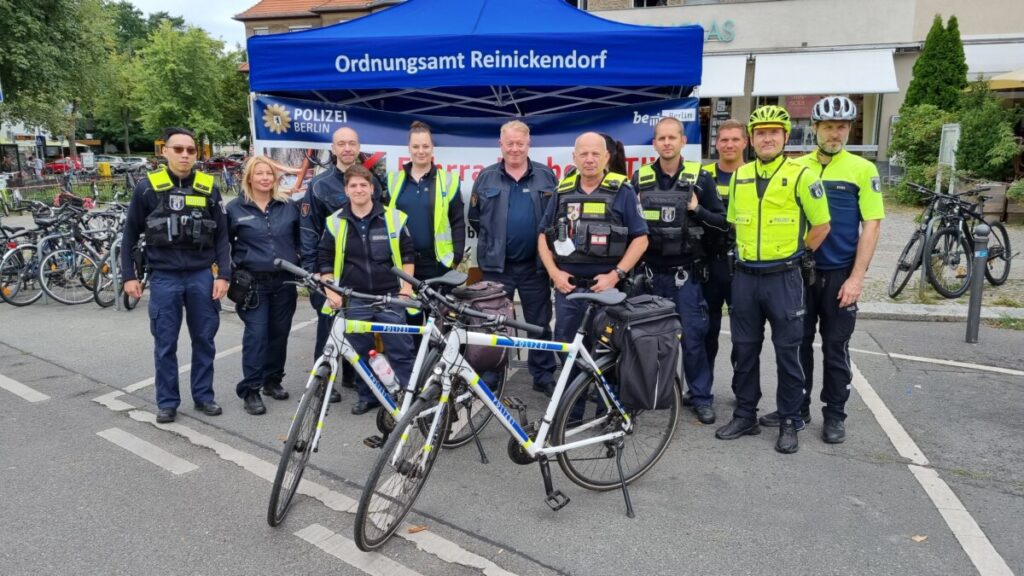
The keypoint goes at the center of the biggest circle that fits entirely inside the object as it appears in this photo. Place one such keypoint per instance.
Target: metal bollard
(981, 233)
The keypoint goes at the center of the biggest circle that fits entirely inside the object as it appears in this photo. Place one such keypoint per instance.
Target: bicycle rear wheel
(582, 415)
(297, 448)
(67, 276)
(997, 268)
(401, 470)
(949, 259)
(908, 263)
(19, 276)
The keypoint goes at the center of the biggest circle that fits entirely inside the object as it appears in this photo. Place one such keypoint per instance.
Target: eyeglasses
(190, 150)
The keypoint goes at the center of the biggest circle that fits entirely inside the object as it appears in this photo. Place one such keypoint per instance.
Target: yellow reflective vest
(445, 185)
(338, 227)
(772, 226)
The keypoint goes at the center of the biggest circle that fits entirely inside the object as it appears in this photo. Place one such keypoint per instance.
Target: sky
(214, 16)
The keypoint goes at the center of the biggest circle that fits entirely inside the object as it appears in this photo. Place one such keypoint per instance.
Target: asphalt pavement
(930, 480)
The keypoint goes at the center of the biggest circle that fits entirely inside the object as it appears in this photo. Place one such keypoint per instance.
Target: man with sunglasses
(180, 213)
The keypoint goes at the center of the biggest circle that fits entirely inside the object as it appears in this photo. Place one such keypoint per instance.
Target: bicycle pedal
(556, 500)
(513, 403)
(373, 441)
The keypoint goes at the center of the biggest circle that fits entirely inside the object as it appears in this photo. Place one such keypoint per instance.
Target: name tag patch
(195, 201)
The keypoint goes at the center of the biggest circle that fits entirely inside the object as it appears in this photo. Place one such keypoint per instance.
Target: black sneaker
(705, 413)
(335, 396)
(166, 415)
(210, 408)
(545, 389)
(254, 404)
(771, 420)
(788, 442)
(687, 400)
(275, 391)
(738, 427)
(834, 431)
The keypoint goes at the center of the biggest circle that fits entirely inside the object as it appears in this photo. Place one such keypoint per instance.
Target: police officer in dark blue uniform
(362, 242)
(181, 213)
(614, 238)
(679, 203)
(505, 209)
(324, 196)
(263, 225)
(731, 143)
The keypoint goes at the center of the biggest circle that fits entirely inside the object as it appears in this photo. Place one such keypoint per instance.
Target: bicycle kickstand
(622, 478)
(476, 436)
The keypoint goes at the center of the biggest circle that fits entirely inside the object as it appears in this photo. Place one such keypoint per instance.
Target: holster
(807, 268)
(242, 288)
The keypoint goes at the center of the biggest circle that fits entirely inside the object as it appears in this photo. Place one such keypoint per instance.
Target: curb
(931, 312)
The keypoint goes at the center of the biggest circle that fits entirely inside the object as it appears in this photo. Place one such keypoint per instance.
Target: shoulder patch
(876, 184)
(817, 190)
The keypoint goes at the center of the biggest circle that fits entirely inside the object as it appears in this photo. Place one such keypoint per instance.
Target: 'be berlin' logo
(276, 119)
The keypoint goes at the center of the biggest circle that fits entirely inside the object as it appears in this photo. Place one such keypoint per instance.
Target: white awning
(993, 59)
(723, 76)
(838, 72)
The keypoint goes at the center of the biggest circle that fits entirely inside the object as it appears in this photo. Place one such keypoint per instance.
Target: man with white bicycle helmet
(853, 190)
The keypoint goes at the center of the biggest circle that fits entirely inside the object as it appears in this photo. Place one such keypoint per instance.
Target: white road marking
(19, 389)
(110, 400)
(972, 539)
(342, 548)
(187, 367)
(927, 360)
(147, 451)
(430, 543)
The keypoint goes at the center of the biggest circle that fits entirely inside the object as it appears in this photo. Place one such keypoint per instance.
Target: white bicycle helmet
(834, 108)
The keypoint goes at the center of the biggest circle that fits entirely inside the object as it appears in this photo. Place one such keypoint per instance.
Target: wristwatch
(620, 273)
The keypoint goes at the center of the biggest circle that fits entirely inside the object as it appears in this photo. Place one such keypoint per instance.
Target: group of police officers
(787, 240)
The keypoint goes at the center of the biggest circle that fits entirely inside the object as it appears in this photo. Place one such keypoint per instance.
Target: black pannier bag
(490, 298)
(646, 332)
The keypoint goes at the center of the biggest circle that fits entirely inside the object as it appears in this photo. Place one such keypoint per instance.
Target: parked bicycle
(599, 444)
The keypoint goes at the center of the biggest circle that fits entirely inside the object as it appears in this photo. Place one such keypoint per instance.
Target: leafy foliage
(940, 72)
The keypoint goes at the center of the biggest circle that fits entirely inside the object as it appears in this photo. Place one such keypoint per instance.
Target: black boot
(254, 404)
(788, 443)
(738, 427)
(834, 431)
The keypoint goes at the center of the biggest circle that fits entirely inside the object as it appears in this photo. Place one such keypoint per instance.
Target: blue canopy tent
(479, 58)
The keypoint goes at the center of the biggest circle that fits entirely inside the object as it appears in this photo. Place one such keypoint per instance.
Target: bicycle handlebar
(462, 308)
(314, 282)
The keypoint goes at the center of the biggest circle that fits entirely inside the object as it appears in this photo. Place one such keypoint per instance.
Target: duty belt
(582, 281)
(766, 270)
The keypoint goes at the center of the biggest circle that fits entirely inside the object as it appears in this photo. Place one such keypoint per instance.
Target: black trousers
(836, 327)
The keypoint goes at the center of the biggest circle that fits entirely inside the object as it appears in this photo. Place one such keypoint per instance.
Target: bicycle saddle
(451, 278)
(606, 298)
(12, 229)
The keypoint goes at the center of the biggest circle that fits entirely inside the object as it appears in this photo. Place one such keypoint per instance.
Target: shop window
(649, 3)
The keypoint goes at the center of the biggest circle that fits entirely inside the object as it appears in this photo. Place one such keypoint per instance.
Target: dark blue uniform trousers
(170, 292)
(535, 293)
(836, 325)
(717, 291)
(265, 339)
(693, 314)
(779, 299)
(398, 348)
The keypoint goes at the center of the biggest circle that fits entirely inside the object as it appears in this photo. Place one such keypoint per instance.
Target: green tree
(234, 93)
(940, 72)
(180, 80)
(48, 52)
(987, 145)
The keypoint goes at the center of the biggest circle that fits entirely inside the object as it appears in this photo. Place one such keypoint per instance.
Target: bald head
(345, 146)
(590, 156)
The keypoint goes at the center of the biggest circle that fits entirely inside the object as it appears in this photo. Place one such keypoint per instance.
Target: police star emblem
(176, 202)
(277, 119)
(668, 214)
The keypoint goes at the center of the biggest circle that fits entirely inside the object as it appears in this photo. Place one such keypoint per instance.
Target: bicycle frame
(338, 347)
(457, 365)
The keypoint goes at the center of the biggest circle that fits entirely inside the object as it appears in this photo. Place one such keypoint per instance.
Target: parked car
(134, 163)
(117, 164)
(218, 163)
(60, 166)
(237, 157)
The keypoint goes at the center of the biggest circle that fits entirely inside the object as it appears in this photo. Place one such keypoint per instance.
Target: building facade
(276, 16)
(791, 52)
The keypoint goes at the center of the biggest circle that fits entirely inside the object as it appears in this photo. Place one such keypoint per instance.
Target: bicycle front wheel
(472, 409)
(949, 260)
(582, 414)
(909, 261)
(997, 268)
(401, 470)
(67, 276)
(297, 448)
(19, 276)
